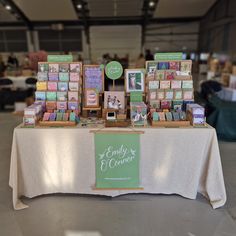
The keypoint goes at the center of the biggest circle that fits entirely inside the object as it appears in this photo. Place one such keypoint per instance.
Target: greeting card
(169, 94)
(73, 96)
(51, 96)
(41, 86)
(177, 105)
(74, 76)
(53, 68)
(42, 76)
(170, 74)
(51, 106)
(186, 66)
(73, 86)
(187, 84)
(64, 76)
(63, 67)
(182, 115)
(53, 76)
(174, 65)
(165, 104)
(40, 96)
(155, 116)
(156, 104)
(164, 84)
(65, 116)
(178, 94)
(169, 116)
(160, 74)
(73, 106)
(62, 86)
(153, 84)
(42, 67)
(46, 116)
(62, 96)
(176, 116)
(176, 84)
(61, 105)
(163, 65)
(161, 116)
(52, 86)
(160, 94)
(52, 117)
(152, 95)
(59, 116)
(76, 67)
(188, 94)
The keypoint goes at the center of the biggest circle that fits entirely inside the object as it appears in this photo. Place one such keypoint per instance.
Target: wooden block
(170, 123)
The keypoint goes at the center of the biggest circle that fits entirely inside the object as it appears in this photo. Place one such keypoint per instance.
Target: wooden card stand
(117, 123)
(171, 123)
(57, 123)
(85, 112)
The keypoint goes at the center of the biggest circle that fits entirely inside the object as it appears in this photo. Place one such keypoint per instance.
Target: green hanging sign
(114, 70)
(117, 160)
(60, 58)
(169, 56)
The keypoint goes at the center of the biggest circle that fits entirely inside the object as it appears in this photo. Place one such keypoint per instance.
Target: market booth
(150, 138)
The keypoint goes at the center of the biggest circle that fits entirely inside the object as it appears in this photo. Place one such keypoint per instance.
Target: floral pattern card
(164, 84)
(52, 86)
(170, 74)
(53, 68)
(187, 84)
(178, 94)
(174, 65)
(169, 94)
(176, 84)
(160, 75)
(188, 94)
(160, 94)
(74, 76)
(152, 95)
(153, 84)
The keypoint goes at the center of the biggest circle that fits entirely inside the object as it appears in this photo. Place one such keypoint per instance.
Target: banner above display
(114, 70)
(117, 160)
(168, 56)
(60, 58)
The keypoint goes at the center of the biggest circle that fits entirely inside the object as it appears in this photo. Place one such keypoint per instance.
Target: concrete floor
(76, 215)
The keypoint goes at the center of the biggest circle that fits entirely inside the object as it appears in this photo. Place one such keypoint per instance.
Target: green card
(136, 97)
(114, 70)
(60, 58)
(168, 56)
(117, 160)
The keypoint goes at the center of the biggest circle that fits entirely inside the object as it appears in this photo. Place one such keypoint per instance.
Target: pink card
(73, 96)
(74, 76)
(52, 86)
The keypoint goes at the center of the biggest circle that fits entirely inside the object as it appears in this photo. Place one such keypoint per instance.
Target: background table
(180, 161)
(19, 81)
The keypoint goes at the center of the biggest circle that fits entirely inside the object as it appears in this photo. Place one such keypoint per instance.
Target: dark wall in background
(218, 28)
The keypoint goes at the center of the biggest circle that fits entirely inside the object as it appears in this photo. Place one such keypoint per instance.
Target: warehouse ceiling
(70, 10)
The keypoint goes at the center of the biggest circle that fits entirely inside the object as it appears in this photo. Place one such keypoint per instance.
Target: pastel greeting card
(187, 94)
(160, 94)
(178, 94)
(40, 96)
(62, 86)
(52, 86)
(53, 76)
(166, 104)
(91, 98)
(76, 67)
(65, 116)
(51, 105)
(73, 86)
(176, 84)
(61, 105)
(41, 86)
(177, 105)
(73, 96)
(46, 116)
(169, 116)
(176, 116)
(51, 96)
(42, 76)
(74, 76)
(164, 84)
(42, 67)
(59, 116)
(152, 95)
(155, 116)
(52, 116)
(73, 106)
(62, 96)
(186, 66)
(160, 74)
(53, 68)
(64, 76)
(63, 67)
(187, 84)
(155, 104)
(169, 94)
(170, 74)
(153, 84)
(161, 116)
(174, 65)
(163, 65)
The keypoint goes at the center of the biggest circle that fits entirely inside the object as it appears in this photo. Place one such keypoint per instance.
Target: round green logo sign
(114, 70)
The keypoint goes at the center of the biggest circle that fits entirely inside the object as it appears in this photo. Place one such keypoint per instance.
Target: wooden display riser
(117, 123)
(86, 110)
(170, 123)
(57, 123)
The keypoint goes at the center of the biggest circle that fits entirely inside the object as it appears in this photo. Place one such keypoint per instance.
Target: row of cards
(169, 116)
(56, 96)
(176, 105)
(57, 86)
(62, 76)
(59, 116)
(170, 94)
(61, 67)
(174, 84)
(62, 106)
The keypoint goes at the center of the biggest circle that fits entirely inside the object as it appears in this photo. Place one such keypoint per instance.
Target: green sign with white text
(114, 70)
(117, 160)
(60, 58)
(169, 56)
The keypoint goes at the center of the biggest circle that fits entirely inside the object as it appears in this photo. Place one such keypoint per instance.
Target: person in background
(12, 61)
(2, 67)
(116, 58)
(140, 63)
(148, 55)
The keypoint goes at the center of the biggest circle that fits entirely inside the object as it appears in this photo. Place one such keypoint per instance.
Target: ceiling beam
(172, 33)
(19, 13)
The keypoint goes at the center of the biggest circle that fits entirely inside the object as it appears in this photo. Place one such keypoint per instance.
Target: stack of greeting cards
(170, 88)
(59, 90)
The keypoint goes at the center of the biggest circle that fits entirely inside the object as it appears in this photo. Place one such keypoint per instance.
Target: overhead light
(79, 6)
(151, 4)
(8, 7)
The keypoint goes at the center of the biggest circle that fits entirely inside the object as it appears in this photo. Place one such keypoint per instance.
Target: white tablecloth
(180, 161)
